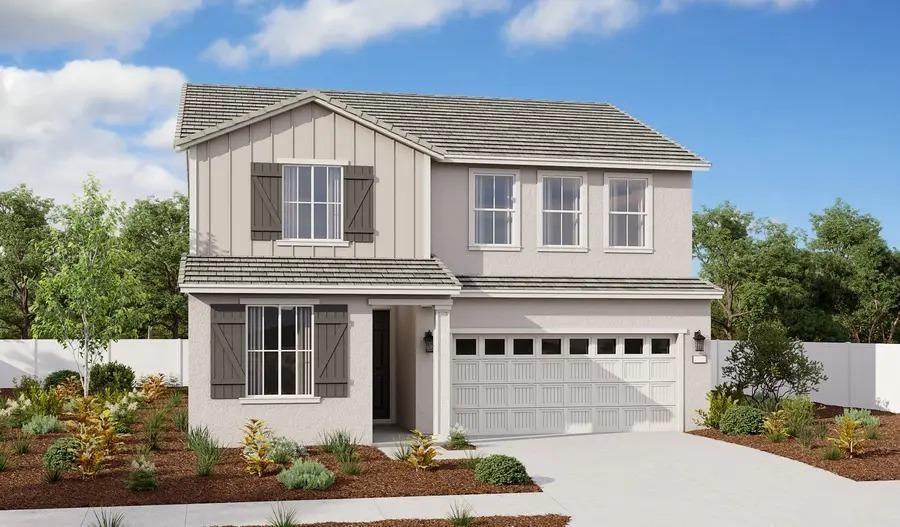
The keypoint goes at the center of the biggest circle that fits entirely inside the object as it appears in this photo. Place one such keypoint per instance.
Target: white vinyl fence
(859, 375)
(39, 358)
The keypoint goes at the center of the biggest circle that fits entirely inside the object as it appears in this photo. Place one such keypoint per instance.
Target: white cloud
(100, 117)
(551, 21)
(317, 26)
(547, 21)
(118, 25)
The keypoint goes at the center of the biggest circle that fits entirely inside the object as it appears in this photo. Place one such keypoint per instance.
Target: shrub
(42, 424)
(799, 413)
(153, 429)
(58, 377)
(69, 388)
(458, 439)
(306, 475)
(460, 515)
(4, 459)
(742, 420)
(848, 435)
(180, 420)
(107, 518)
(257, 444)
(153, 386)
(94, 429)
(771, 364)
(861, 415)
(423, 455)
(832, 453)
(61, 455)
(21, 443)
(18, 411)
(720, 398)
(774, 427)
(26, 383)
(111, 376)
(143, 474)
(282, 517)
(402, 452)
(808, 435)
(501, 470)
(285, 451)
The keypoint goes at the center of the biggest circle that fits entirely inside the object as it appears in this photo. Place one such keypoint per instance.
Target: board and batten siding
(220, 188)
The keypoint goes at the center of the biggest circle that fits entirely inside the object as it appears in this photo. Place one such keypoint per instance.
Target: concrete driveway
(679, 479)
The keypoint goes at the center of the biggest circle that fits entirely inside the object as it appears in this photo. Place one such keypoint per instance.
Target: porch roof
(555, 286)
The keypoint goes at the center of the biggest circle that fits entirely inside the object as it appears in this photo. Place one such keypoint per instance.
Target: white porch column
(441, 372)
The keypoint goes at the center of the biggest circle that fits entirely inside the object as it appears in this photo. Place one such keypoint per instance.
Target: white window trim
(325, 242)
(582, 245)
(279, 398)
(512, 335)
(648, 218)
(515, 241)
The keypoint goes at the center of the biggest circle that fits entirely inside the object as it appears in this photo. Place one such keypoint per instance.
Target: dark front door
(381, 364)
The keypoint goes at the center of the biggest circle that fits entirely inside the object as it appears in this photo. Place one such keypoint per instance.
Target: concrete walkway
(611, 479)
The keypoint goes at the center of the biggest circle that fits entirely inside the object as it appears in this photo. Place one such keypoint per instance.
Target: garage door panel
(579, 394)
(551, 395)
(494, 421)
(634, 394)
(523, 370)
(606, 420)
(523, 395)
(634, 419)
(465, 371)
(661, 418)
(608, 394)
(552, 421)
(662, 369)
(465, 396)
(579, 421)
(494, 371)
(662, 393)
(468, 419)
(635, 370)
(579, 370)
(523, 421)
(608, 370)
(551, 371)
(494, 396)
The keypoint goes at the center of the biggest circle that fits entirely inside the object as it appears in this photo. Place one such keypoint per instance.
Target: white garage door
(565, 384)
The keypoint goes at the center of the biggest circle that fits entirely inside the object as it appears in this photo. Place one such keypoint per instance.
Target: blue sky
(795, 102)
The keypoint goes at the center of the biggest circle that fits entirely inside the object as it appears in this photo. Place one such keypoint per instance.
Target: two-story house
(514, 266)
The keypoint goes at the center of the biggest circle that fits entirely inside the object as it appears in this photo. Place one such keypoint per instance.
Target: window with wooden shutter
(265, 201)
(359, 199)
(227, 352)
(331, 350)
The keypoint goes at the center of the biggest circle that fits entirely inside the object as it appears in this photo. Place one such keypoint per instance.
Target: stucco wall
(414, 369)
(219, 184)
(671, 255)
(302, 422)
(598, 316)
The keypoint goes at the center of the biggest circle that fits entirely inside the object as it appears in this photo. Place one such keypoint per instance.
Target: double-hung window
(562, 218)
(280, 350)
(494, 216)
(313, 202)
(628, 213)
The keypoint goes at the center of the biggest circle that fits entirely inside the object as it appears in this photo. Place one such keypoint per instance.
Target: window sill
(629, 250)
(313, 243)
(506, 248)
(562, 249)
(281, 399)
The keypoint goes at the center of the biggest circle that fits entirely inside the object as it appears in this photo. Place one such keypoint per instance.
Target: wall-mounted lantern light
(699, 341)
(428, 339)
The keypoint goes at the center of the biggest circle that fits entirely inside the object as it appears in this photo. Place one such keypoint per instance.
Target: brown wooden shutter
(331, 334)
(227, 352)
(359, 203)
(265, 201)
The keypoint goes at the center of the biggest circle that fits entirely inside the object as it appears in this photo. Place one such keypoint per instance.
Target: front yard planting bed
(879, 461)
(23, 485)
(549, 520)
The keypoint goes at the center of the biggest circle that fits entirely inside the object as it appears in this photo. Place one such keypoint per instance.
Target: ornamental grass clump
(501, 470)
(460, 515)
(153, 428)
(21, 442)
(306, 475)
(423, 455)
(458, 440)
(282, 517)
(4, 459)
(742, 420)
(257, 445)
(337, 441)
(799, 414)
(208, 452)
(180, 420)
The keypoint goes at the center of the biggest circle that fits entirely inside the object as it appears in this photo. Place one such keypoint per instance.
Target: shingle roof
(585, 284)
(363, 272)
(465, 127)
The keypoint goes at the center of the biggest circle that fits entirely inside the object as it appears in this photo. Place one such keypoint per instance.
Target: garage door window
(551, 346)
(465, 346)
(494, 346)
(578, 346)
(606, 346)
(659, 346)
(634, 346)
(523, 347)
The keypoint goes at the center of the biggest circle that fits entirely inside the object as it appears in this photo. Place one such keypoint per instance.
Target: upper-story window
(629, 206)
(313, 202)
(561, 202)
(494, 219)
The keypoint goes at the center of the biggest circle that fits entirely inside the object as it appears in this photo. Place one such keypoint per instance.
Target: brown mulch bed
(22, 484)
(879, 461)
(549, 520)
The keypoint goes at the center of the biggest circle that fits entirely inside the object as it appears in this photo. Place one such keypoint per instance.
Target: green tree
(860, 272)
(89, 296)
(155, 234)
(23, 233)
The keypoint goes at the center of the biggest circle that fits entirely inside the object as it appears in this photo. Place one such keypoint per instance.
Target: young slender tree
(23, 234)
(155, 235)
(89, 296)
